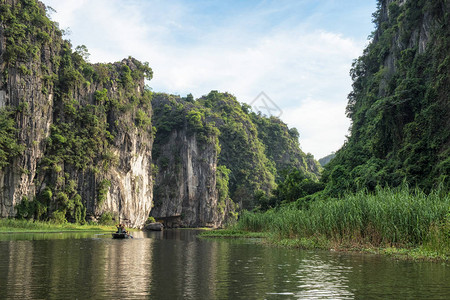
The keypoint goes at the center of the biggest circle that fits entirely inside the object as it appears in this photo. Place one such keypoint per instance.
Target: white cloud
(302, 68)
(322, 125)
(66, 10)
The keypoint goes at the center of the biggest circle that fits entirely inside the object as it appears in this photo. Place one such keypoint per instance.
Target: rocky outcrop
(189, 190)
(85, 129)
(154, 226)
(22, 82)
(127, 180)
(131, 190)
(186, 182)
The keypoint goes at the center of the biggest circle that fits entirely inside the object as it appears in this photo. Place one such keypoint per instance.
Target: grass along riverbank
(401, 222)
(233, 233)
(13, 225)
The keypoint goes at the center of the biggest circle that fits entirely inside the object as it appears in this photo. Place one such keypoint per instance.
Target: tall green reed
(400, 216)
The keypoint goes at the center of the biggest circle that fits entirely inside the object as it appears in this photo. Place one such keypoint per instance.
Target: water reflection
(126, 268)
(18, 236)
(319, 279)
(69, 268)
(177, 265)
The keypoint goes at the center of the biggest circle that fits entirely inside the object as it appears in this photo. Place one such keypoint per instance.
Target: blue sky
(298, 53)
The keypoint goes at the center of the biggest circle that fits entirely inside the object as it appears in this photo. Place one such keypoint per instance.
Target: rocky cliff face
(21, 90)
(119, 178)
(420, 19)
(85, 129)
(186, 182)
(185, 185)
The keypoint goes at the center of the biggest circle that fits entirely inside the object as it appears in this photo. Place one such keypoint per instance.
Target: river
(176, 264)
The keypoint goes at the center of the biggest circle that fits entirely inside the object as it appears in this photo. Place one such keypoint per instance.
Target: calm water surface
(175, 264)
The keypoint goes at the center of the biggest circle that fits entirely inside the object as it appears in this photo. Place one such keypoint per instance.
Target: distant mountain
(325, 160)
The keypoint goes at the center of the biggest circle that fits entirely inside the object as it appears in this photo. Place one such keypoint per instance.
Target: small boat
(121, 235)
(121, 232)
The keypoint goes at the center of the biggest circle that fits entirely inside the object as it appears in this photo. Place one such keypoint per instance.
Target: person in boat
(121, 228)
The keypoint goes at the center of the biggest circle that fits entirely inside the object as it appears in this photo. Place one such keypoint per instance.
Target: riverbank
(415, 253)
(13, 225)
(405, 223)
(322, 243)
(233, 233)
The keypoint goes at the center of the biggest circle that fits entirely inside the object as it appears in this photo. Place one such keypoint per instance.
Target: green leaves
(102, 190)
(125, 77)
(9, 144)
(142, 120)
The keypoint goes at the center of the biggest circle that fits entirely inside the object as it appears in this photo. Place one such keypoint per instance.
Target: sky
(287, 58)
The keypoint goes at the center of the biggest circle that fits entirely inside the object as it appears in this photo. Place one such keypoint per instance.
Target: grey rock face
(154, 227)
(186, 183)
(34, 117)
(25, 87)
(131, 190)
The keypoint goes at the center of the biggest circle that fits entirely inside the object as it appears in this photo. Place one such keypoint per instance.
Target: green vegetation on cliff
(27, 31)
(9, 146)
(399, 105)
(283, 148)
(85, 107)
(400, 137)
(241, 150)
(252, 159)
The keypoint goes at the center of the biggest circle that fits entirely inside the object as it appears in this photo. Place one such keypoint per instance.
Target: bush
(106, 219)
(79, 211)
(150, 220)
(142, 119)
(59, 217)
(25, 209)
(102, 191)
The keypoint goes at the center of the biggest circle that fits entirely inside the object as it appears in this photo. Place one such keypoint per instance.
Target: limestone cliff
(185, 185)
(21, 91)
(213, 153)
(85, 130)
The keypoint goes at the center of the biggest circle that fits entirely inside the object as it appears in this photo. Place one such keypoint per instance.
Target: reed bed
(399, 217)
